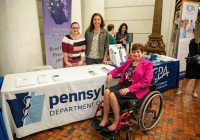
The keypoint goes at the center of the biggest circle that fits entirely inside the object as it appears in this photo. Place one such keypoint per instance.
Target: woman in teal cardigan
(110, 28)
(97, 41)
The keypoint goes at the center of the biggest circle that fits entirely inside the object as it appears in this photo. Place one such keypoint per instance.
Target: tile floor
(180, 119)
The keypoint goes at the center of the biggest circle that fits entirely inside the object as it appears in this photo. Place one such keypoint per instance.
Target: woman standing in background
(110, 28)
(122, 35)
(73, 47)
(193, 67)
(97, 41)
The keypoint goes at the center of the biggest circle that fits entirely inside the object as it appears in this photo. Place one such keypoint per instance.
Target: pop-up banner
(57, 21)
(188, 18)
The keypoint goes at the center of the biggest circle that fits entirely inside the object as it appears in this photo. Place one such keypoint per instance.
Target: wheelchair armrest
(146, 86)
(116, 77)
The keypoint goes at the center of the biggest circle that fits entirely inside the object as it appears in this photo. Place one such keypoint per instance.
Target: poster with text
(186, 29)
(57, 21)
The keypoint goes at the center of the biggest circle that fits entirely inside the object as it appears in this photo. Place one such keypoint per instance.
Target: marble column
(88, 8)
(155, 43)
(20, 45)
(76, 13)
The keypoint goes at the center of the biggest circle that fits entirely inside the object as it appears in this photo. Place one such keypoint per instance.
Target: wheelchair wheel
(150, 110)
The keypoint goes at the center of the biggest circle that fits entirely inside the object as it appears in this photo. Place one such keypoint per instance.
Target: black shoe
(99, 128)
(95, 125)
(108, 130)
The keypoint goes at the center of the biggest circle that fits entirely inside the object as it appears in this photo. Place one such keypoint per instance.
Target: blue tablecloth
(3, 132)
(168, 76)
(1, 82)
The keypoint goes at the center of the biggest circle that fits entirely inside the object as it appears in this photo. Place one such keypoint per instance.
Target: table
(1, 81)
(31, 109)
(168, 76)
(3, 132)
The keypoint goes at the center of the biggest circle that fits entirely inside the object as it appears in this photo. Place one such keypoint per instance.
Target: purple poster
(57, 21)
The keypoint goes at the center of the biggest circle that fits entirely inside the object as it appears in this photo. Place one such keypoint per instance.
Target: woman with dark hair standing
(193, 68)
(122, 35)
(97, 41)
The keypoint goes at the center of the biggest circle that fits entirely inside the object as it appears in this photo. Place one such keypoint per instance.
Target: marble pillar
(20, 45)
(155, 43)
(88, 8)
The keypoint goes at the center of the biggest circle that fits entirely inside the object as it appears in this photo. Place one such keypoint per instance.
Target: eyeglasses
(75, 27)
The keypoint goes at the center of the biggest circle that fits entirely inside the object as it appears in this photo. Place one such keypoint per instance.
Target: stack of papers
(42, 79)
(92, 72)
(166, 58)
(56, 78)
(25, 82)
(105, 69)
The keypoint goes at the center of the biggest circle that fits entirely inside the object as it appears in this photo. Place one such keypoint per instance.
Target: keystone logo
(26, 108)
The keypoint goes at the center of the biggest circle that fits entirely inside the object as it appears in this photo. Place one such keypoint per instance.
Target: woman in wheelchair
(136, 72)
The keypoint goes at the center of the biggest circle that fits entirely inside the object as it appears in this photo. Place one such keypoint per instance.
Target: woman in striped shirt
(73, 47)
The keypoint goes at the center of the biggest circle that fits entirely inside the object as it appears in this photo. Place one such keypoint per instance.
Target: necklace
(135, 63)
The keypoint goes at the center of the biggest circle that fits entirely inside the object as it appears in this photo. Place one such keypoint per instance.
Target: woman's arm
(192, 48)
(105, 57)
(80, 63)
(82, 52)
(86, 37)
(109, 78)
(113, 41)
(66, 60)
(146, 80)
(118, 38)
(65, 50)
(106, 47)
(118, 70)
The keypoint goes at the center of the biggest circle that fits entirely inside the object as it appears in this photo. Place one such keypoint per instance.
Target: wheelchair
(145, 112)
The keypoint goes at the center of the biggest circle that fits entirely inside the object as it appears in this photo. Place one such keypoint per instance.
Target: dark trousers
(124, 45)
(90, 61)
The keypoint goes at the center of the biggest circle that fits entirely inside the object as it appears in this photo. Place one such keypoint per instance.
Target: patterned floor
(180, 120)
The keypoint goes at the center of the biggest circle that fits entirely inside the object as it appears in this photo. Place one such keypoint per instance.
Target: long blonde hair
(197, 31)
